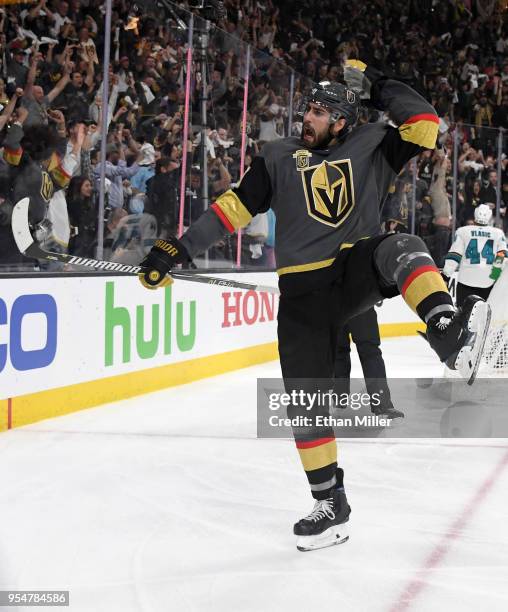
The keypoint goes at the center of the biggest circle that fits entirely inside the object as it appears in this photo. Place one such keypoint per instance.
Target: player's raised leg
(456, 335)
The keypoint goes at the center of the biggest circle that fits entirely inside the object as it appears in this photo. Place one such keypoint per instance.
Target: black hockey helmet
(341, 102)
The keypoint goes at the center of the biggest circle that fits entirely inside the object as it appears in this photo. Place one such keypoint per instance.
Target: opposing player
(478, 253)
(325, 189)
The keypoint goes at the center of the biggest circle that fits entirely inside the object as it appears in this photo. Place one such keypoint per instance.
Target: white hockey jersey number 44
(474, 250)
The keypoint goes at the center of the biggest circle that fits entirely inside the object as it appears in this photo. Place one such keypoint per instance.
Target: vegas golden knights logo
(302, 157)
(46, 186)
(329, 191)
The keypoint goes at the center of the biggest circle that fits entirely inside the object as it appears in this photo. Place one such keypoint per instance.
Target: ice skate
(326, 524)
(459, 340)
(387, 411)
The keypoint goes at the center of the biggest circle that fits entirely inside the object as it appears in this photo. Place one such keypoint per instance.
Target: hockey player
(478, 253)
(325, 188)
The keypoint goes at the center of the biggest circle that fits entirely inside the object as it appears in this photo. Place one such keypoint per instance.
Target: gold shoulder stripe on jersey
(422, 133)
(13, 156)
(359, 65)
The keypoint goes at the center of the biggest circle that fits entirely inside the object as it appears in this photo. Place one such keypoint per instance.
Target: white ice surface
(168, 502)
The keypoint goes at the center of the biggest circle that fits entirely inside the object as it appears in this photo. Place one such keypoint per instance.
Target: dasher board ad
(62, 331)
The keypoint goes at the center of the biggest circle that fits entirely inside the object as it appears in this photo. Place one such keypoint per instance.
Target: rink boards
(69, 343)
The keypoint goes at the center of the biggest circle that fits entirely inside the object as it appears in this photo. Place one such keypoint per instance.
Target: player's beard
(312, 140)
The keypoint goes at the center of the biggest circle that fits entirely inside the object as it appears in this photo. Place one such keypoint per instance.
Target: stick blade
(20, 225)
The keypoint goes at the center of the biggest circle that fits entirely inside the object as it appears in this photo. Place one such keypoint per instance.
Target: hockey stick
(29, 248)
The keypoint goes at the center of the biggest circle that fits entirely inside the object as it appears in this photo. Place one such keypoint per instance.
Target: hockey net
(495, 354)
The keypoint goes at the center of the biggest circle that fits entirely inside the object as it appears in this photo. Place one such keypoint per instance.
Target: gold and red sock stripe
(319, 460)
(317, 454)
(423, 282)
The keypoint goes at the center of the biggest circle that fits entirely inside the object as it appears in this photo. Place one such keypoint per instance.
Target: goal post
(495, 355)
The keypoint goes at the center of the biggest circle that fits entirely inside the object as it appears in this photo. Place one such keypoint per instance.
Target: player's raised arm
(416, 119)
(232, 210)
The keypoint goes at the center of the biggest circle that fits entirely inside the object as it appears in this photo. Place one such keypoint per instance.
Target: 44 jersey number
(475, 256)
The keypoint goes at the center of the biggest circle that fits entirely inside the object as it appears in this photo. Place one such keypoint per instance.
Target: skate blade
(469, 357)
(338, 534)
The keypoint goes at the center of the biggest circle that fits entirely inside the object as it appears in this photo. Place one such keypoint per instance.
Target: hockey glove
(164, 255)
(497, 268)
(449, 268)
(355, 78)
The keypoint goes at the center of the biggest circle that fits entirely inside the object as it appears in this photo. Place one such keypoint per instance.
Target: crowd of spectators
(51, 79)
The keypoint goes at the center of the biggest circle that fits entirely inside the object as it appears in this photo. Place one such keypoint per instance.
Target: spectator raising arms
(456, 58)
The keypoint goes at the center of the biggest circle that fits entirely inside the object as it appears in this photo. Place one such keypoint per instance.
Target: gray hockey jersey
(324, 200)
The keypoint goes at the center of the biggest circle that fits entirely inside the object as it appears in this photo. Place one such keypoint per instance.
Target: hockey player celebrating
(478, 253)
(39, 166)
(325, 188)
